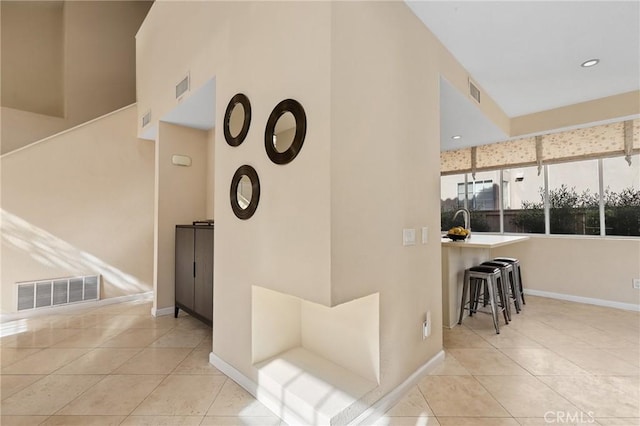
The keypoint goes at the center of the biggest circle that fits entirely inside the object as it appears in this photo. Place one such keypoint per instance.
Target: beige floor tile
(553, 338)
(462, 337)
(154, 361)
(120, 321)
(235, 401)
(412, 404)
(181, 395)
(601, 395)
(601, 339)
(542, 362)
(525, 396)
(99, 361)
(21, 420)
(181, 338)
(597, 361)
(162, 421)
(83, 421)
(87, 338)
(45, 361)
(146, 321)
(568, 419)
(188, 322)
(114, 395)
(48, 395)
(459, 396)
(10, 384)
(242, 421)
(42, 338)
(10, 355)
(477, 421)
(197, 363)
(407, 421)
(135, 338)
(509, 338)
(629, 355)
(487, 362)
(629, 421)
(450, 367)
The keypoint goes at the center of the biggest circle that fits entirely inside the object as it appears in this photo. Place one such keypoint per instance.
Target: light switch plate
(408, 237)
(425, 235)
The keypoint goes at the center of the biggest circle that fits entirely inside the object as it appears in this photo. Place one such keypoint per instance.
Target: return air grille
(182, 87)
(59, 291)
(474, 91)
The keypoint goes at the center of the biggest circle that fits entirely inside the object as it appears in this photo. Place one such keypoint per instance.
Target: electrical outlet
(426, 326)
(636, 283)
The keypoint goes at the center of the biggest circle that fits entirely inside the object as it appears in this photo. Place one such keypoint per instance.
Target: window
(450, 199)
(621, 184)
(591, 197)
(574, 200)
(523, 200)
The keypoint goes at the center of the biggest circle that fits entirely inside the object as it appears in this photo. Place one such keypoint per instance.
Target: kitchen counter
(483, 241)
(460, 255)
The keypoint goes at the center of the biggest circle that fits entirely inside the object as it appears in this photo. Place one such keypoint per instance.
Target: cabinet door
(184, 266)
(204, 273)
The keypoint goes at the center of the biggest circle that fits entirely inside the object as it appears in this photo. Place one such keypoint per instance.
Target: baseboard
(75, 307)
(163, 311)
(384, 404)
(369, 416)
(587, 300)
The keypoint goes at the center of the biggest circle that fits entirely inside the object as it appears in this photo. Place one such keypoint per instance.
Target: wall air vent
(146, 119)
(59, 291)
(474, 91)
(182, 87)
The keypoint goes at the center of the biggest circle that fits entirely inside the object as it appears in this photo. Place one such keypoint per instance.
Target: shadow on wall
(54, 252)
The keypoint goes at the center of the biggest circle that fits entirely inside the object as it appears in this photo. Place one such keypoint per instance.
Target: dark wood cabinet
(194, 271)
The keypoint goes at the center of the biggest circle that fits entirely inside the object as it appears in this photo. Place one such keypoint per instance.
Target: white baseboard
(384, 404)
(74, 307)
(587, 300)
(369, 416)
(163, 311)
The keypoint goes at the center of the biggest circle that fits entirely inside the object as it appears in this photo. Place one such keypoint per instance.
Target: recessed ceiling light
(590, 63)
(456, 137)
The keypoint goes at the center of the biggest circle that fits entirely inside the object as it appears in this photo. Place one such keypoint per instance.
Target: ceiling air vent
(474, 91)
(146, 119)
(182, 87)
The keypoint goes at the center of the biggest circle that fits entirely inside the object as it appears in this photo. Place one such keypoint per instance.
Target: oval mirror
(285, 131)
(245, 192)
(237, 119)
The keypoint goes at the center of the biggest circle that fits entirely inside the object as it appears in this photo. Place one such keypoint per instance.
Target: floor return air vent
(58, 291)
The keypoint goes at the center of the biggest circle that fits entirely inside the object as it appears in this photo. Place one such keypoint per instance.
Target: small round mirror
(285, 131)
(245, 192)
(237, 119)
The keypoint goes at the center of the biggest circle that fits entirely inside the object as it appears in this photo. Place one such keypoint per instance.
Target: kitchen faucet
(467, 218)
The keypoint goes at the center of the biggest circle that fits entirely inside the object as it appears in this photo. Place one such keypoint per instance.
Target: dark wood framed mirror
(245, 192)
(285, 131)
(237, 119)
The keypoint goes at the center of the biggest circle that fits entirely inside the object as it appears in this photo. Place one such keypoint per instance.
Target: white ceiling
(526, 55)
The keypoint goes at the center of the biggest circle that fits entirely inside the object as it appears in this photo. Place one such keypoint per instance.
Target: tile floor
(555, 363)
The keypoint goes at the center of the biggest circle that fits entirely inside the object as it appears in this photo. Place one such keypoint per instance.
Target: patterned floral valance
(592, 142)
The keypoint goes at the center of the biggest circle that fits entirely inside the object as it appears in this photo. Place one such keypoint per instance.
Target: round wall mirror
(285, 131)
(245, 192)
(237, 119)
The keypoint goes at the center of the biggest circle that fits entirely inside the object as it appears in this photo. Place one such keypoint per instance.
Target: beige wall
(584, 267)
(73, 60)
(180, 196)
(385, 177)
(80, 203)
(33, 56)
